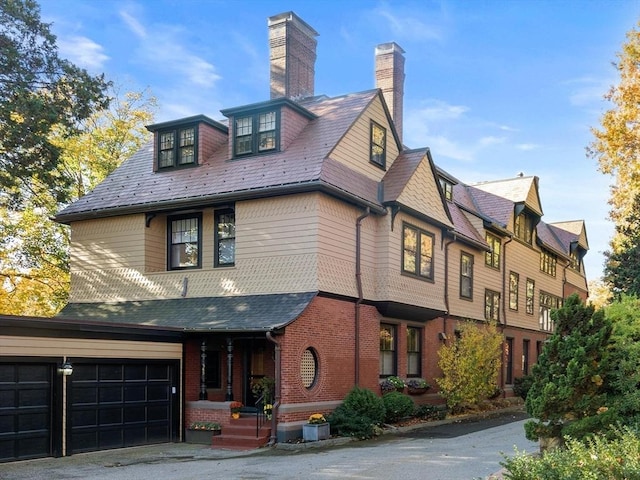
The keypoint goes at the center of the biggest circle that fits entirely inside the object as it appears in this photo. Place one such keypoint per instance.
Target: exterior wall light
(66, 368)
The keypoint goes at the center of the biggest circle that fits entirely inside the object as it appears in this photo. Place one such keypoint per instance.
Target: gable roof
(520, 190)
(135, 188)
(211, 314)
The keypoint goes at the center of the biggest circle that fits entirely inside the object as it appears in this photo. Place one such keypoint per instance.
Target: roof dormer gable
(186, 142)
(266, 127)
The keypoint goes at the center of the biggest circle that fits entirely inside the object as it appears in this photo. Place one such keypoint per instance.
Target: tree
(470, 365)
(569, 390)
(38, 90)
(617, 143)
(34, 250)
(622, 265)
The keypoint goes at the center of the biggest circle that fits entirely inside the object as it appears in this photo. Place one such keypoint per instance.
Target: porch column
(229, 395)
(203, 370)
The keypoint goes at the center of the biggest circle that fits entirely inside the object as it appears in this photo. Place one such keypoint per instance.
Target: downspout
(276, 394)
(504, 310)
(446, 281)
(366, 213)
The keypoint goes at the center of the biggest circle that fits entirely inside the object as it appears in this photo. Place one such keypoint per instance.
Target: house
(299, 239)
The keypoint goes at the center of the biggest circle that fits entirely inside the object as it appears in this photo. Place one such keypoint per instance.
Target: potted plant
(392, 383)
(201, 432)
(235, 409)
(264, 387)
(316, 428)
(417, 386)
(268, 410)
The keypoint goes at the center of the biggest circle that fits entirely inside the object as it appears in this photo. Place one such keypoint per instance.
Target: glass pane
(426, 252)
(243, 126)
(413, 364)
(267, 141)
(187, 137)
(187, 155)
(243, 145)
(410, 249)
(166, 141)
(267, 121)
(227, 251)
(166, 158)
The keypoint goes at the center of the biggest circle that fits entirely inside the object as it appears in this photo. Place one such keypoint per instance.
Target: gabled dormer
(265, 127)
(186, 142)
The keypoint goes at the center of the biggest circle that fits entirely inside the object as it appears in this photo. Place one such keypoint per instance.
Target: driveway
(468, 448)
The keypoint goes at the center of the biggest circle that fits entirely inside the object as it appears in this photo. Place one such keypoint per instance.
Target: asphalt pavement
(469, 447)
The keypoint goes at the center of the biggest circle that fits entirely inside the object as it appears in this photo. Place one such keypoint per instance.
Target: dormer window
(177, 147)
(524, 226)
(256, 133)
(378, 145)
(447, 189)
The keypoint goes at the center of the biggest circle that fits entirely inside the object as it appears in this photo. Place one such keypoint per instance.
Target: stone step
(241, 434)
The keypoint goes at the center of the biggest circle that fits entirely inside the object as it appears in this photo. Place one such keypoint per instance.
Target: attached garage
(122, 387)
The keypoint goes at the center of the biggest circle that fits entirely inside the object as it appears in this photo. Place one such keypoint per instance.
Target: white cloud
(527, 146)
(407, 26)
(587, 91)
(83, 51)
(134, 25)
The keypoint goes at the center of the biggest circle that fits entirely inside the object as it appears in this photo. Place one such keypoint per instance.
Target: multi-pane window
(524, 227)
(225, 238)
(185, 241)
(466, 275)
(548, 302)
(387, 349)
(531, 286)
(378, 144)
(548, 262)
(413, 352)
(574, 260)
(256, 133)
(514, 284)
(417, 252)
(491, 305)
(177, 147)
(492, 257)
(447, 189)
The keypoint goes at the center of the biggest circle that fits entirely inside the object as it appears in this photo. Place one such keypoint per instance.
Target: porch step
(241, 434)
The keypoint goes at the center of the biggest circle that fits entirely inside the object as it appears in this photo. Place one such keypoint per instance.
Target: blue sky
(494, 88)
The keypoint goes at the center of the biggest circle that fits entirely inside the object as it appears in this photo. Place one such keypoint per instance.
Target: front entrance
(255, 368)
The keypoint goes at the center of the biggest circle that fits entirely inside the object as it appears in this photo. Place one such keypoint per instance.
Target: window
(417, 252)
(524, 228)
(378, 144)
(548, 262)
(447, 189)
(547, 303)
(525, 357)
(574, 260)
(184, 242)
(492, 257)
(309, 368)
(177, 147)
(256, 133)
(509, 361)
(413, 352)
(387, 350)
(491, 305)
(466, 275)
(514, 283)
(213, 369)
(225, 238)
(530, 295)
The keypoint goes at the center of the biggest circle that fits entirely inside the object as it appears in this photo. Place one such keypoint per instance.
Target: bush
(359, 415)
(431, 412)
(397, 405)
(596, 458)
(521, 386)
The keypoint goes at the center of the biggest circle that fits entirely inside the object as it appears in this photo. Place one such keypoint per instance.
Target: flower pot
(202, 437)
(312, 432)
(416, 390)
(235, 415)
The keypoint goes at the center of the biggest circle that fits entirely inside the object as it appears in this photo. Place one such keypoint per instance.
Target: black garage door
(26, 394)
(115, 405)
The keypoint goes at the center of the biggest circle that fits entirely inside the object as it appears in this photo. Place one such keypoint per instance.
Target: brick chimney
(292, 46)
(390, 79)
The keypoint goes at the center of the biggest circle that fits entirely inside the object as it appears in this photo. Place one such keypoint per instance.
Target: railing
(261, 417)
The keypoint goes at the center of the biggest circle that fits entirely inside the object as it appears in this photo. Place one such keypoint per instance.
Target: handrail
(260, 415)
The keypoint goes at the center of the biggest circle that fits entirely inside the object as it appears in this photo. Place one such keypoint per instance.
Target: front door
(255, 368)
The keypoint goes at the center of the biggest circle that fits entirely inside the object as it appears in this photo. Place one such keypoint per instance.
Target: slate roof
(216, 314)
(135, 187)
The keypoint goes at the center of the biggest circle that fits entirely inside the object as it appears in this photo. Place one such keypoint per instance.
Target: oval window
(309, 368)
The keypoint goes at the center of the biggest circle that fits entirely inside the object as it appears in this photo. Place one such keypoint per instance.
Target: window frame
(492, 305)
(170, 243)
(417, 255)
(530, 296)
(466, 277)
(447, 189)
(378, 159)
(492, 257)
(548, 302)
(524, 225)
(217, 213)
(514, 290)
(253, 137)
(414, 351)
(175, 147)
(391, 352)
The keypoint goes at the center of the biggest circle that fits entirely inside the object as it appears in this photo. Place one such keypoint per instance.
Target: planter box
(202, 437)
(416, 391)
(312, 432)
